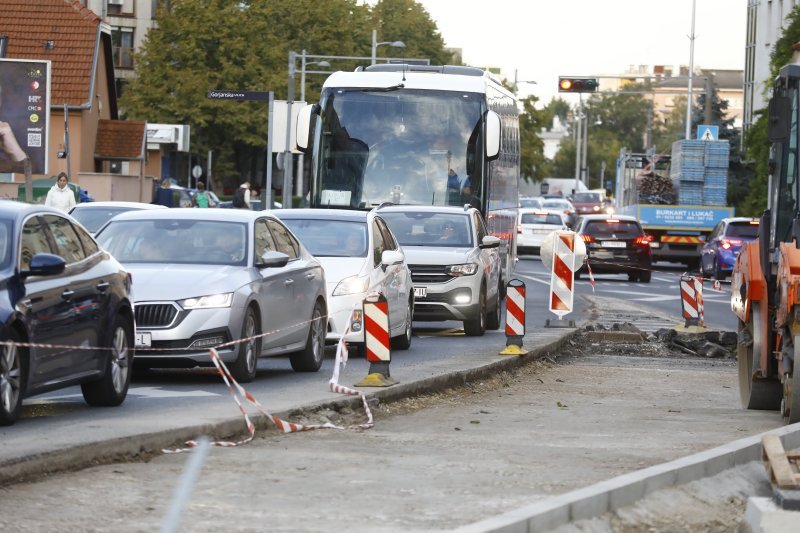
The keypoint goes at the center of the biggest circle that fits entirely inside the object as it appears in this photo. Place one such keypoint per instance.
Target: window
(122, 46)
(34, 241)
(378, 246)
(264, 240)
(68, 244)
(283, 239)
(388, 239)
(89, 244)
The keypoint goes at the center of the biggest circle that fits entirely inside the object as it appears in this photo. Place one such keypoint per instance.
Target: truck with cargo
(677, 198)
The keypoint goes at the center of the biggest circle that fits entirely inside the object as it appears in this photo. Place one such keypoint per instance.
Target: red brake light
(587, 238)
(519, 228)
(612, 221)
(643, 240)
(727, 244)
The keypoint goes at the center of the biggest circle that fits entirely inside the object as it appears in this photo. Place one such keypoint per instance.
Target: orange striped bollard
(515, 318)
(692, 300)
(378, 343)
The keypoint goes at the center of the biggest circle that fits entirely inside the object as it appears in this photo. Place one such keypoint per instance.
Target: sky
(545, 39)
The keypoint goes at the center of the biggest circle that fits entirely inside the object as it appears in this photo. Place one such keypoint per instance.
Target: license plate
(143, 340)
(655, 245)
(613, 244)
(420, 292)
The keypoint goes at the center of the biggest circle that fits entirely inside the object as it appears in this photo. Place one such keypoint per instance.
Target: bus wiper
(383, 89)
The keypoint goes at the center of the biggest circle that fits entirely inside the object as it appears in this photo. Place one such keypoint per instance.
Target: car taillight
(643, 240)
(519, 228)
(727, 244)
(587, 238)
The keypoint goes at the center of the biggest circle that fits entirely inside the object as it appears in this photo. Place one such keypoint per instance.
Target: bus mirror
(304, 127)
(779, 112)
(492, 135)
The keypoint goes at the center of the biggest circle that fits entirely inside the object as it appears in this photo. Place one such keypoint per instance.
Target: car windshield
(530, 202)
(557, 204)
(618, 229)
(176, 241)
(742, 229)
(586, 197)
(330, 238)
(430, 229)
(93, 218)
(5, 244)
(540, 218)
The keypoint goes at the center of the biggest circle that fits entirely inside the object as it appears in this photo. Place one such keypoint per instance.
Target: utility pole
(584, 166)
(691, 74)
(287, 155)
(578, 142)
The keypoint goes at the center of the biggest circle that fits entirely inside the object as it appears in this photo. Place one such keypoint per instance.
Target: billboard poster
(24, 114)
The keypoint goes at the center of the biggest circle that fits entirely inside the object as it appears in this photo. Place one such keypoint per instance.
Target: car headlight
(467, 269)
(207, 302)
(351, 285)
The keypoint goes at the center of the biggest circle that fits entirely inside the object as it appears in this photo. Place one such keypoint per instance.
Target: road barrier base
(513, 349)
(559, 323)
(680, 328)
(377, 380)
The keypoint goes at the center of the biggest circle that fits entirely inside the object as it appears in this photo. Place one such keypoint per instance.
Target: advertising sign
(24, 114)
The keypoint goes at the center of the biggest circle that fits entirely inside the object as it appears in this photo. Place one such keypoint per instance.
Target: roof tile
(120, 139)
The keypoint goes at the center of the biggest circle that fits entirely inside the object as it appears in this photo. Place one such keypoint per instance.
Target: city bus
(416, 134)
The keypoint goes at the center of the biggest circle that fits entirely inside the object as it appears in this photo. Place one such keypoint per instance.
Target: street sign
(224, 94)
(197, 171)
(707, 133)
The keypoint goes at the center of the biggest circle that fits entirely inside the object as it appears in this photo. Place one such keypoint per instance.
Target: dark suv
(615, 244)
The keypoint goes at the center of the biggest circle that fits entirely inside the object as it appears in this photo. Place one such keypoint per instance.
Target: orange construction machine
(766, 278)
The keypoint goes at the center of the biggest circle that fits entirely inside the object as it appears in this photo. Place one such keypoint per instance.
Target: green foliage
(672, 128)
(534, 166)
(719, 110)
(200, 45)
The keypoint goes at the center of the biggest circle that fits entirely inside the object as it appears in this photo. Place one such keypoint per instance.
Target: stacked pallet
(700, 169)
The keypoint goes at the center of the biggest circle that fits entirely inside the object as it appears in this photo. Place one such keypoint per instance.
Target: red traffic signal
(578, 85)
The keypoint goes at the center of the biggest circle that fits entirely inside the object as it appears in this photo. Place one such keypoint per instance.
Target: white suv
(455, 264)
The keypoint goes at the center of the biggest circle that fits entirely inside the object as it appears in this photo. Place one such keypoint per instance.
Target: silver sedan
(203, 278)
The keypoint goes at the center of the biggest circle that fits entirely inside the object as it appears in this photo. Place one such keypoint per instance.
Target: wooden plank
(793, 455)
(778, 467)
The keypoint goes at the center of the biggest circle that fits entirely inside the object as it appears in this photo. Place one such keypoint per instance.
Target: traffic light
(578, 85)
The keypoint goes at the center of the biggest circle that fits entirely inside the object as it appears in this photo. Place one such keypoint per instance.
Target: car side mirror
(779, 112)
(43, 264)
(490, 241)
(391, 257)
(272, 259)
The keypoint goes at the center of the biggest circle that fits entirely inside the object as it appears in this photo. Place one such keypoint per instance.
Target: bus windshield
(399, 145)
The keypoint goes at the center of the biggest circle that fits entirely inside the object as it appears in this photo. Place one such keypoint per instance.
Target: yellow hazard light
(565, 84)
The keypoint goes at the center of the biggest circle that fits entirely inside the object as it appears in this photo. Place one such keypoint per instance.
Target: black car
(67, 298)
(615, 244)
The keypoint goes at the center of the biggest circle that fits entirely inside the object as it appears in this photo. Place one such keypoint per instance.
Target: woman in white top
(60, 195)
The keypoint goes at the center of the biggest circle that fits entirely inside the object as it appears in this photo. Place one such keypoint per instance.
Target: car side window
(480, 228)
(89, 245)
(68, 244)
(388, 239)
(378, 246)
(716, 231)
(284, 240)
(264, 240)
(34, 241)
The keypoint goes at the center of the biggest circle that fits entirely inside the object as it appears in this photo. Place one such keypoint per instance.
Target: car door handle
(102, 286)
(310, 276)
(288, 282)
(67, 294)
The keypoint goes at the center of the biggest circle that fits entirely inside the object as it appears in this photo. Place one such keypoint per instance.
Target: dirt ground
(445, 460)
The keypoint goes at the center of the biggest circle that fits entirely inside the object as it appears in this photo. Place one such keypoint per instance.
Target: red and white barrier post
(563, 256)
(378, 343)
(692, 300)
(515, 318)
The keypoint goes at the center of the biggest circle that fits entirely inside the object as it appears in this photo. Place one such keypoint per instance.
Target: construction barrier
(692, 300)
(378, 342)
(563, 255)
(515, 318)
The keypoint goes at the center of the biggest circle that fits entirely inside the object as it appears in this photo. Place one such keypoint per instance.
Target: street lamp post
(376, 44)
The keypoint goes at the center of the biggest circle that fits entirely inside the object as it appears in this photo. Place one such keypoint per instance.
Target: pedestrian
(241, 198)
(201, 197)
(60, 195)
(164, 194)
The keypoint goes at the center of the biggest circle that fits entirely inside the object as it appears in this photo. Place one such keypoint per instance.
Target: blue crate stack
(701, 171)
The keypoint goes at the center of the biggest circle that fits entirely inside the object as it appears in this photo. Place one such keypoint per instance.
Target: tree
(756, 143)
(718, 113)
(200, 45)
(534, 166)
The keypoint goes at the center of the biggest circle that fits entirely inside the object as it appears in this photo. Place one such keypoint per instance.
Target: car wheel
(243, 369)
(403, 342)
(476, 326)
(718, 273)
(112, 388)
(633, 276)
(645, 276)
(13, 377)
(309, 359)
(493, 318)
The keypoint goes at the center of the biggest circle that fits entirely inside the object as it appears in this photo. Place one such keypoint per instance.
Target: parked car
(94, 215)
(724, 243)
(360, 257)
(454, 262)
(588, 203)
(533, 226)
(60, 288)
(531, 201)
(562, 207)
(207, 277)
(615, 244)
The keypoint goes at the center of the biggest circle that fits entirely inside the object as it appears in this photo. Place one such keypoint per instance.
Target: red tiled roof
(120, 139)
(29, 24)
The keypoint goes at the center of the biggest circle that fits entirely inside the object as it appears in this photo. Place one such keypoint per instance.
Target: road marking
(142, 392)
